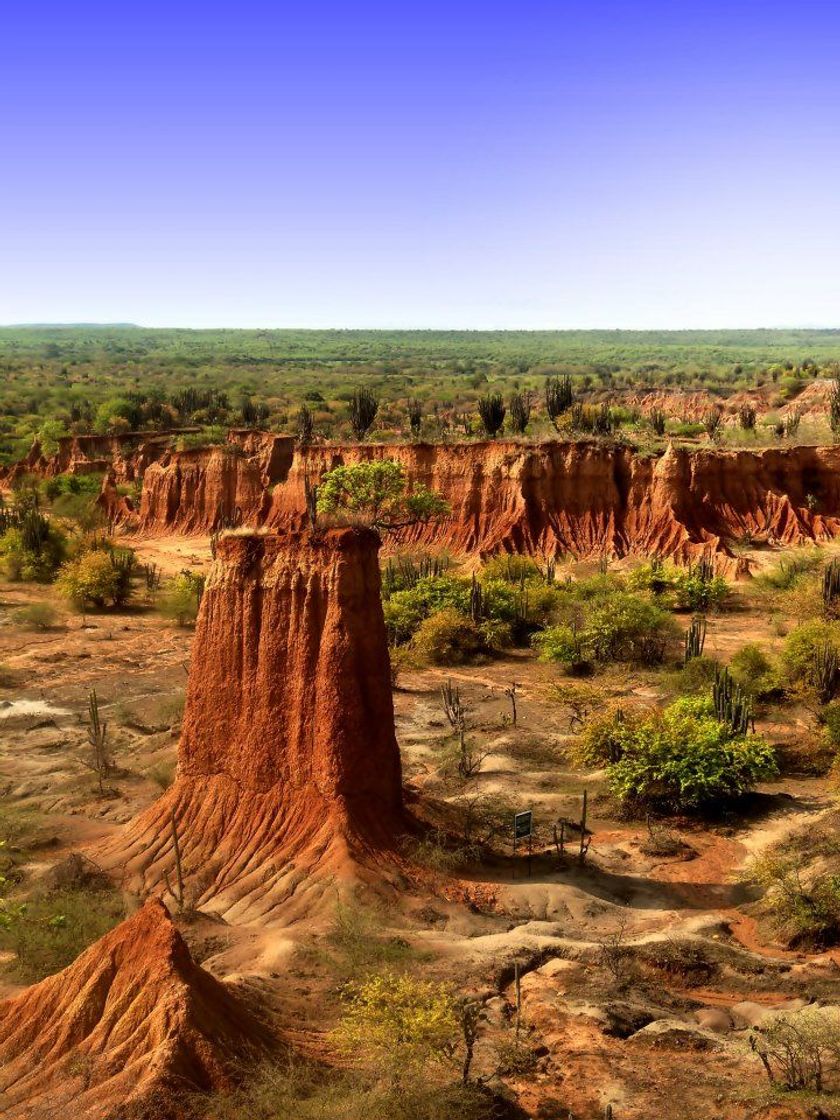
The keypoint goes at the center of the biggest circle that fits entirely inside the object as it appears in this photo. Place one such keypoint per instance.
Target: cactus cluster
(695, 639)
(831, 586)
(732, 706)
(826, 671)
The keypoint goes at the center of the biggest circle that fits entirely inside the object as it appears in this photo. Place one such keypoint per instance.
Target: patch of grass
(47, 933)
(307, 1093)
(9, 678)
(36, 616)
(163, 773)
(354, 943)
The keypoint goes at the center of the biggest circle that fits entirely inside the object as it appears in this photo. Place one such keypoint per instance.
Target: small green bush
(805, 909)
(181, 597)
(36, 616)
(623, 626)
(677, 759)
(802, 651)
(448, 637)
(752, 669)
(33, 559)
(93, 579)
(697, 676)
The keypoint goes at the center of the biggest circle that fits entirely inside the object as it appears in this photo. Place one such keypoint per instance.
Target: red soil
(129, 1026)
(289, 771)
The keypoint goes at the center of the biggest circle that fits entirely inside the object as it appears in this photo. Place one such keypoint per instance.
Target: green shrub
(36, 616)
(697, 676)
(181, 597)
(752, 669)
(803, 651)
(623, 626)
(94, 578)
(697, 589)
(448, 637)
(830, 719)
(679, 758)
(807, 911)
(34, 551)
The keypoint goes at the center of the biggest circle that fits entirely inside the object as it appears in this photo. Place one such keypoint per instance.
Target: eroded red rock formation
(289, 771)
(578, 498)
(586, 498)
(125, 1030)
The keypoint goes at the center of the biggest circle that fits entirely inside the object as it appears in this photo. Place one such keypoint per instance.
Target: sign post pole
(522, 830)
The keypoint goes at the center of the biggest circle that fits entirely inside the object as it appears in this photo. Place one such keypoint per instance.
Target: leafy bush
(97, 578)
(679, 758)
(448, 637)
(807, 911)
(803, 652)
(624, 626)
(36, 616)
(405, 610)
(33, 551)
(752, 669)
(181, 597)
(697, 676)
(396, 1019)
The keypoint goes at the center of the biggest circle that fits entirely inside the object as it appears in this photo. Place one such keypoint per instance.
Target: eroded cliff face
(288, 767)
(202, 490)
(580, 499)
(583, 499)
(132, 1024)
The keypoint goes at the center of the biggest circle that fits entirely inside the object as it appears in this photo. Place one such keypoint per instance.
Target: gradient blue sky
(421, 165)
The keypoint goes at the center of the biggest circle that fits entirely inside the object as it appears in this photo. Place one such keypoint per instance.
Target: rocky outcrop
(558, 497)
(127, 1029)
(288, 767)
(584, 498)
(202, 490)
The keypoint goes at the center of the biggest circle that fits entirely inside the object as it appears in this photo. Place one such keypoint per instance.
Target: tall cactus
(831, 586)
(826, 671)
(476, 600)
(732, 706)
(695, 639)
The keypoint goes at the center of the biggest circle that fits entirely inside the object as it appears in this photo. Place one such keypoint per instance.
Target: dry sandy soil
(663, 1034)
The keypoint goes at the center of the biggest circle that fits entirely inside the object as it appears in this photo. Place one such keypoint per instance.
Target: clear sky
(403, 164)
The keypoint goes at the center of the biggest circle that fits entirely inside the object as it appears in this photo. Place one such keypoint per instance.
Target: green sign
(522, 824)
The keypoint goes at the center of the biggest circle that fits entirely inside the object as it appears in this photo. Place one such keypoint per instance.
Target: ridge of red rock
(288, 766)
(132, 1023)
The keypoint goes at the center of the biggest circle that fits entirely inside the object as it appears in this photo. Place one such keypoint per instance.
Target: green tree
(378, 493)
(50, 432)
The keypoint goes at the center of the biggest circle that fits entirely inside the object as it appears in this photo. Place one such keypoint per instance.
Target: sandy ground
(686, 927)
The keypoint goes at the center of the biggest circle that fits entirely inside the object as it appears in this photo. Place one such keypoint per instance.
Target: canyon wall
(288, 767)
(127, 1029)
(552, 498)
(577, 498)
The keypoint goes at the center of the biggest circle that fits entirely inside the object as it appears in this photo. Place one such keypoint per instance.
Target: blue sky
(420, 165)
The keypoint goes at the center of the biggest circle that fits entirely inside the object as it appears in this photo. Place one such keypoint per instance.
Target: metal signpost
(523, 829)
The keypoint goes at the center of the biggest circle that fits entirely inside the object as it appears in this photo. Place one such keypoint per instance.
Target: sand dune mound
(130, 1023)
(289, 772)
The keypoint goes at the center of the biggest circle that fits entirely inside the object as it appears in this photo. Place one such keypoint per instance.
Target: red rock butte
(288, 768)
(126, 1029)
